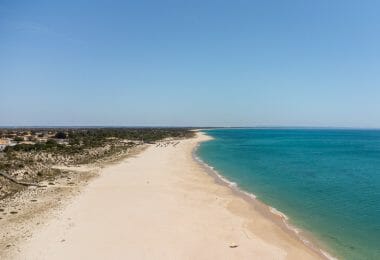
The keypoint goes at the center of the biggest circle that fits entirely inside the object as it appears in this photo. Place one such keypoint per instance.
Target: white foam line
(222, 178)
(278, 213)
(328, 256)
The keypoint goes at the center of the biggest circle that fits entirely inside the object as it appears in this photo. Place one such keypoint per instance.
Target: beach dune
(161, 204)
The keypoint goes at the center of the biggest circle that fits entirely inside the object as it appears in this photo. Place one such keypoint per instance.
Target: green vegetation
(80, 139)
(33, 162)
(60, 135)
(18, 139)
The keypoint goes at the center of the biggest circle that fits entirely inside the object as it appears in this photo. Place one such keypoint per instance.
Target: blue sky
(200, 63)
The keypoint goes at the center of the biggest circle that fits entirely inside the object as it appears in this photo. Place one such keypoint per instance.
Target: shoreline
(160, 204)
(278, 217)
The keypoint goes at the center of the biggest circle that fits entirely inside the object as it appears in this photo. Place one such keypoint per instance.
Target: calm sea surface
(326, 181)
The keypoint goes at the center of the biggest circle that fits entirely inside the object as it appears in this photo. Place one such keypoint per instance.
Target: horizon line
(189, 126)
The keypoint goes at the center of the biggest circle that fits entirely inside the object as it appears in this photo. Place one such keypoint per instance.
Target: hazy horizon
(198, 63)
(189, 126)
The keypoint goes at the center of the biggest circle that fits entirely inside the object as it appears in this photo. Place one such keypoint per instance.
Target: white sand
(161, 205)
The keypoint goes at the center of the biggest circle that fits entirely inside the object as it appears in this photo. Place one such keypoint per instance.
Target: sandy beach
(161, 204)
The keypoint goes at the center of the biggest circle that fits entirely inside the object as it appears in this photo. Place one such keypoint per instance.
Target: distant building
(26, 142)
(4, 143)
(42, 139)
(61, 141)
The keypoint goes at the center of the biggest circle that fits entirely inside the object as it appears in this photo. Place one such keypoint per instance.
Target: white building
(3, 143)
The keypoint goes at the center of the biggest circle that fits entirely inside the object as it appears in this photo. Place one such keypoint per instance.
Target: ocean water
(326, 181)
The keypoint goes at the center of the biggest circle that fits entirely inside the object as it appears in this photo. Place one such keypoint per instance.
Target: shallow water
(326, 181)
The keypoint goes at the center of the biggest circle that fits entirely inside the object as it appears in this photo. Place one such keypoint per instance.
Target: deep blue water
(326, 181)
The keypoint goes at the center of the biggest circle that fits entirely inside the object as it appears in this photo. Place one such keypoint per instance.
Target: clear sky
(200, 63)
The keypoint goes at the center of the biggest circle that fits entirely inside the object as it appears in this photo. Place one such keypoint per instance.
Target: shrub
(60, 135)
(19, 139)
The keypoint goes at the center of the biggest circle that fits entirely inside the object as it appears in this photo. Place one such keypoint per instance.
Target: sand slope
(160, 205)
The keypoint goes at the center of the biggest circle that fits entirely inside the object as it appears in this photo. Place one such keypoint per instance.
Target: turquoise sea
(326, 181)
